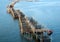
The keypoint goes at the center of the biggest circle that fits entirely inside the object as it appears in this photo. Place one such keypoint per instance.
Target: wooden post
(41, 40)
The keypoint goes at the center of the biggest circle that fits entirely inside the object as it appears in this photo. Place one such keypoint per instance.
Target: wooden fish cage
(29, 28)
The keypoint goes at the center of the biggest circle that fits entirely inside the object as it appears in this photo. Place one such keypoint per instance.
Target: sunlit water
(46, 13)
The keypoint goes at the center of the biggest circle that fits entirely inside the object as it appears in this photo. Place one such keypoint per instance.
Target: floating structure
(29, 28)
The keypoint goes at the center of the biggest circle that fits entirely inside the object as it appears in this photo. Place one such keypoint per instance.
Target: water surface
(46, 12)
